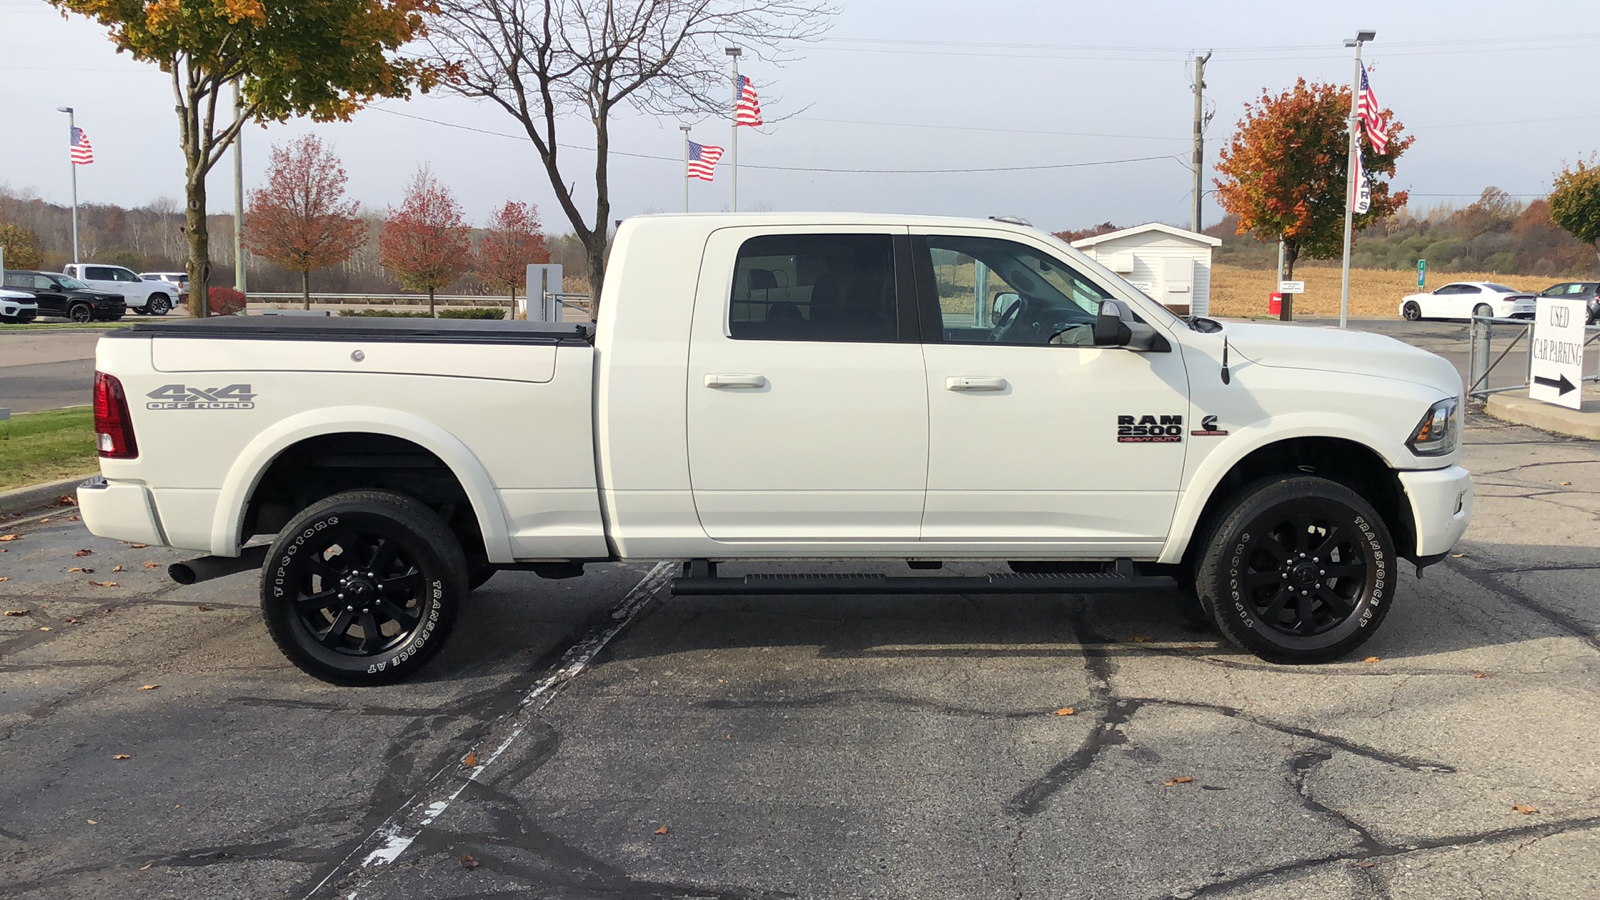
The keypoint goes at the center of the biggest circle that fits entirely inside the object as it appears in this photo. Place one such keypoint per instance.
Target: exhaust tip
(181, 573)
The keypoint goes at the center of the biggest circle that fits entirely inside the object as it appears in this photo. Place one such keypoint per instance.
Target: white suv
(147, 298)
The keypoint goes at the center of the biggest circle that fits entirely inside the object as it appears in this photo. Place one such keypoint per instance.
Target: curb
(38, 496)
(1583, 423)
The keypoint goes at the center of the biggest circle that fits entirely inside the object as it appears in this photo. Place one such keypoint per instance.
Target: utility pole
(685, 130)
(733, 117)
(1199, 134)
(1351, 165)
(238, 196)
(72, 126)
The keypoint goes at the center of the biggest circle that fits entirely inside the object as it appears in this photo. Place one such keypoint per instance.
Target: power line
(1141, 137)
(820, 169)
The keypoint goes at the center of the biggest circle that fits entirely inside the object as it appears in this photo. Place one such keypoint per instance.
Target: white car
(1466, 299)
(17, 308)
(181, 279)
(147, 298)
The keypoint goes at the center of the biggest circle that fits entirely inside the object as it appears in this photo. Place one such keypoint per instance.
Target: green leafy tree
(1575, 202)
(322, 58)
(1284, 171)
(21, 246)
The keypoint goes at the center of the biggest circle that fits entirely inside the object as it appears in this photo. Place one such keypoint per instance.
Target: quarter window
(814, 287)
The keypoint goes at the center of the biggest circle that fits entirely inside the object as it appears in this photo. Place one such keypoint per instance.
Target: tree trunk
(194, 228)
(511, 311)
(1291, 252)
(305, 287)
(430, 304)
(594, 252)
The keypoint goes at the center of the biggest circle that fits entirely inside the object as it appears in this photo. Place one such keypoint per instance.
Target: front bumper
(125, 512)
(1441, 507)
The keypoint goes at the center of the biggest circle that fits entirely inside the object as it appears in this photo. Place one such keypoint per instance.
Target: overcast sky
(1496, 93)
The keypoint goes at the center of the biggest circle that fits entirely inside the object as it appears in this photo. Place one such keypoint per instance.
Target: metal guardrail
(1482, 361)
(578, 302)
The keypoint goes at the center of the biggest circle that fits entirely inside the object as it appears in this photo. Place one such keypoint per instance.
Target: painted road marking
(386, 842)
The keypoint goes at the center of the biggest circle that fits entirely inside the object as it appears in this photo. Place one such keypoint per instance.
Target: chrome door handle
(974, 383)
(736, 381)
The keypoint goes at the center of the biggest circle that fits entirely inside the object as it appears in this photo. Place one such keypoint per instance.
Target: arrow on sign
(1562, 385)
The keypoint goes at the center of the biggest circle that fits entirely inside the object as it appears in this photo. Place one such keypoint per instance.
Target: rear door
(52, 297)
(1036, 435)
(807, 412)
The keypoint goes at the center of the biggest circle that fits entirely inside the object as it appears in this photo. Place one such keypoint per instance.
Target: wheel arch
(364, 424)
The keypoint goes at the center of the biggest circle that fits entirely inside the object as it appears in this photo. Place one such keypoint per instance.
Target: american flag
(702, 157)
(747, 110)
(82, 153)
(1371, 116)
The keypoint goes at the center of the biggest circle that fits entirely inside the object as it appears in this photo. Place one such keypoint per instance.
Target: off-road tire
(1291, 534)
(392, 565)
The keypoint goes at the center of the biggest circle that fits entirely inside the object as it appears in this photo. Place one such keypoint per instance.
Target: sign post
(1422, 274)
(1555, 372)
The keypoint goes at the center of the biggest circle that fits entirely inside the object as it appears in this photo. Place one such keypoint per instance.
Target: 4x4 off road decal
(1149, 429)
(181, 396)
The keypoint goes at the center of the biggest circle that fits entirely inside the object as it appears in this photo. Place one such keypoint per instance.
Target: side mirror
(1115, 326)
(1002, 302)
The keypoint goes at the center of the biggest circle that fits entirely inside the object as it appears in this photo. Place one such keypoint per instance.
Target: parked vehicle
(1466, 299)
(147, 298)
(65, 296)
(17, 308)
(181, 279)
(1587, 291)
(767, 387)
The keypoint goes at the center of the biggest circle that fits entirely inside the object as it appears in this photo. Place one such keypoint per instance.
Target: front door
(808, 418)
(1035, 434)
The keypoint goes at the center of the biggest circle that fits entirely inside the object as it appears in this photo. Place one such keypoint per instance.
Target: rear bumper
(125, 512)
(1441, 507)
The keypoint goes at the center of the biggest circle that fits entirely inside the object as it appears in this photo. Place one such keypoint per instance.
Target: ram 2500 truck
(768, 387)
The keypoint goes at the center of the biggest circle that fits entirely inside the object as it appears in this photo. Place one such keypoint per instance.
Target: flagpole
(733, 148)
(1352, 165)
(72, 125)
(685, 130)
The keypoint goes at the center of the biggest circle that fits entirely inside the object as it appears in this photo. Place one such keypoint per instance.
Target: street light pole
(1352, 165)
(238, 196)
(733, 115)
(72, 124)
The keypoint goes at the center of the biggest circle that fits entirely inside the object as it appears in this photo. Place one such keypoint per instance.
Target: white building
(1170, 264)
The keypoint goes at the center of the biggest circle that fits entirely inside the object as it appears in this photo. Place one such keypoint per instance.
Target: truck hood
(1332, 350)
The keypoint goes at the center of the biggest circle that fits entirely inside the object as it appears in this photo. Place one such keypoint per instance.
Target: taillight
(113, 427)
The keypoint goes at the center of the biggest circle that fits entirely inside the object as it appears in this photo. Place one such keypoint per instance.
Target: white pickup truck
(787, 387)
(147, 298)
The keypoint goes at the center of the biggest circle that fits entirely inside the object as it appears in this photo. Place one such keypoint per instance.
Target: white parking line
(385, 844)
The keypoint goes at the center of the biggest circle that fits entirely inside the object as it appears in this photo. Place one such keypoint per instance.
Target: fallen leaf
(9, 537)
(104, 583)
(203, 608)
(661, 830)
(1566, 484)
(146, 866)
(84, 552)
(148, 687)
(1139, 639)
(471, 759)
(116, 568)
(72, 518)
(1181, 779)
(1480, 674)
(5, 577)
(151, 565)
(44, 520)
(71, 621)
(66, 500)
(91, 821)
(1365, 864)
(1065, 711)
(1372, 659)
(122, 756)
(44, 627)
(1524, 808)
(16, 612)
(1457, 555)
(81, 569)
(138, 546)
(467, 862)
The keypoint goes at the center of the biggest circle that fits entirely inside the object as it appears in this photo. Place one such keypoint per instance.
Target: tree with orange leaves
(322, 58)
(425, 242)
(301, 220)
(1283, 173)
(515, 240)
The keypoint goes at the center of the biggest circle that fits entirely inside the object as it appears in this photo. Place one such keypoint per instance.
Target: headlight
(1437, 433)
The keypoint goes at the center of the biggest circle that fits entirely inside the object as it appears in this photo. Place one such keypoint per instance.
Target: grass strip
(50, 445)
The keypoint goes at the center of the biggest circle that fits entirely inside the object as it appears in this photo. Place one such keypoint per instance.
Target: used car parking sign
(1556, 371)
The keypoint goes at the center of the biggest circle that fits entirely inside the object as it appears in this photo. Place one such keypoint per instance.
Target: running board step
(788, 585)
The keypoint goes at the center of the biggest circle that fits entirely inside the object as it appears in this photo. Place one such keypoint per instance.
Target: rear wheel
(80, 313)
(362, 588)
(157, 305)
(1412, 311)
(1482, 310)
(1299, 570)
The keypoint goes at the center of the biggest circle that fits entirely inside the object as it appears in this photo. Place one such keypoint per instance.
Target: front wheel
(1412, 311)
(80, 313)
(157, 305)
(362, 588)
(1299, 570)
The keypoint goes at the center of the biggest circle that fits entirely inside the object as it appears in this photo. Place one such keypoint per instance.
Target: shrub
(383, 314)
(477, 312)
(225, 301)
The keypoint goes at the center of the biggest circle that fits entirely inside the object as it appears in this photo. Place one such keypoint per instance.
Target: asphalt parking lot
(633, 745)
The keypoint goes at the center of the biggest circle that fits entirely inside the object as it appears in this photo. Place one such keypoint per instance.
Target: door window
(998, 291)
(124, 275)
(43, 283)
(814, 287)
(99, 273)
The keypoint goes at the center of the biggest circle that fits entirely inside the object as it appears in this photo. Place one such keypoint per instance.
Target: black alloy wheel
(362, 588)
(1412, 311)
(1301, 569)
(80, 313)
(157, 305)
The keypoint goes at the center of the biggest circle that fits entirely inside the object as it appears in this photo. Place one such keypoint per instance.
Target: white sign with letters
(1556, 371)
(1291, 287)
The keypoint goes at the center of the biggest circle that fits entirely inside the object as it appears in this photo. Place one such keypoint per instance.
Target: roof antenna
(1227, 377)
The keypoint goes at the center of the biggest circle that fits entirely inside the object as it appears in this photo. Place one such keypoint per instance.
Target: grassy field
(1373, 292)
(47, 446)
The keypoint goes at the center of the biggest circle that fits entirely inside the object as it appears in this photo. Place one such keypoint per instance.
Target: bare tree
(543, 60)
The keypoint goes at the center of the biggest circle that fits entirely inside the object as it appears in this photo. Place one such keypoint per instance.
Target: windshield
(71, 284)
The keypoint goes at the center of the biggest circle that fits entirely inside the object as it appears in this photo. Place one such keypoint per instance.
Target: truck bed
(358, 328)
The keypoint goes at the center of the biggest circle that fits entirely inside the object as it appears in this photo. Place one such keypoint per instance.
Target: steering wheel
(1003, 324)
